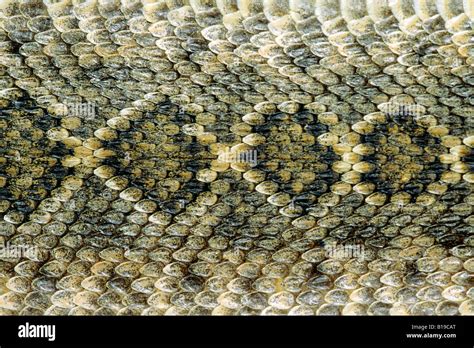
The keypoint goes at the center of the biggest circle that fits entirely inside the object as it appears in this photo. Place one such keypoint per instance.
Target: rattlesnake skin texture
(358, 200)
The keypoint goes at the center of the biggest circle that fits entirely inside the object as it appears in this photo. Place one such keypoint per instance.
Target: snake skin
(358, 199)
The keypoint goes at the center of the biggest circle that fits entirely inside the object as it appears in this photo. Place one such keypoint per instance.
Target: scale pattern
(360, 113)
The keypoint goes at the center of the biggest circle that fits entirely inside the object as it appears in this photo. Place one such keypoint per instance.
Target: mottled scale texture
(360, 113)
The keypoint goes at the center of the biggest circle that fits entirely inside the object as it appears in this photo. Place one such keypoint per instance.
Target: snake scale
(236, 157)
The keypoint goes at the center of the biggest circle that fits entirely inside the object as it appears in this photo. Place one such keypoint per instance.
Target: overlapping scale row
(236, 157)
